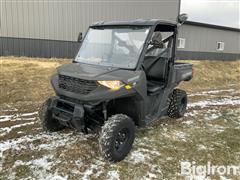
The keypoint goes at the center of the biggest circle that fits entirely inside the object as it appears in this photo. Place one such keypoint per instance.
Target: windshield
(115, 47)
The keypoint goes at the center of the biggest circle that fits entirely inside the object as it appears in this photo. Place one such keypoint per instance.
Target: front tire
(45, 116)
(178, 104)
(116, 137)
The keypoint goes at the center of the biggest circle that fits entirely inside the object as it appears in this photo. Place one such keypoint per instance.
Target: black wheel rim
(182, 107)
(121, 139)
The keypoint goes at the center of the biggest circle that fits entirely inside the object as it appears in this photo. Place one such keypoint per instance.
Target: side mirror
(79, 37)
(182, 18)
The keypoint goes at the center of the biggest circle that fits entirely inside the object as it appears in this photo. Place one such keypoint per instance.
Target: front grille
(76, 85)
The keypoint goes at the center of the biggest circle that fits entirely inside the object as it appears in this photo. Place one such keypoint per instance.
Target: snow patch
(189, 122)
(25, 142)
(201, 147)
(40, 168)
(6, 118)
(220, 102)
(212, 116)
(192, 113)
(180, 135)
(137, 157)
(142, 155)
(89, 172)
(98, 165)
(113, 175)
(10, 109)
(54, 140)
(9, 129)
(217, 128)
(150, 176)
(16, 117)
(214, 92)
(154, 173)
(29, 114)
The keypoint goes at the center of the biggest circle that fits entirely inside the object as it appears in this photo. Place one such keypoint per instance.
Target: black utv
(123, 76)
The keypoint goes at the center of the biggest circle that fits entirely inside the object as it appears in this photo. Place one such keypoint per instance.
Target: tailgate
(184, 71)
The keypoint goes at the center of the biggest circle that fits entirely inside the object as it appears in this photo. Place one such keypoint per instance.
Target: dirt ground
(209, 132)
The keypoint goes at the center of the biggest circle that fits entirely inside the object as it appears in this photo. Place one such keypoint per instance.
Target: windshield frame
(117, 27)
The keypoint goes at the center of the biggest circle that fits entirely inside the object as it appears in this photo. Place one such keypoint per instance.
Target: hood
(94, 72)
(84, 71)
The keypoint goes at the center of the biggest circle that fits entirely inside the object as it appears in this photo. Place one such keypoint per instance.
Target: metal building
(207, 41)
(41, 28)
(50, 28)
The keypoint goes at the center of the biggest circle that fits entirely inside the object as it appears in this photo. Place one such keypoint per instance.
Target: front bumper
(67, 113)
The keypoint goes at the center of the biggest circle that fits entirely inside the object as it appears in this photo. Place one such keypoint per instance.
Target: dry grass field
(208, 132)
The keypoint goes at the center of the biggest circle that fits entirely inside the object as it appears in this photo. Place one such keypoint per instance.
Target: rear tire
(45, 116)
(178, 104)
(116, 137)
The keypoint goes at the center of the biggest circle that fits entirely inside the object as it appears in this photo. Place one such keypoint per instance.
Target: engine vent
(76, 85)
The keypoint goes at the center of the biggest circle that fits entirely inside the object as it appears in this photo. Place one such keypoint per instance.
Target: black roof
(211, 26)
(151, 22)
(136, 22)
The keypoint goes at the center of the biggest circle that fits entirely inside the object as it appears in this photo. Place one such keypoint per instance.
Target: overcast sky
(219, 12)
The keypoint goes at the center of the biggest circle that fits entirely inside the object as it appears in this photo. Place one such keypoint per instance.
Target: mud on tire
(178, 104)
(45, 116)
(116, 137)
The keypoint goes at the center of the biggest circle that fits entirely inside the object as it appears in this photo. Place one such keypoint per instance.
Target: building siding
(63, 20)
(197, 55)
(41, 28)
(204, 39)
(38, 47)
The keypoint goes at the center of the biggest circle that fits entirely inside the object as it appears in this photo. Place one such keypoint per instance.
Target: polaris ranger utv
(123, 76)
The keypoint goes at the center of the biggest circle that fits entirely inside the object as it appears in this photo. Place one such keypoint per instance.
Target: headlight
(114, 85)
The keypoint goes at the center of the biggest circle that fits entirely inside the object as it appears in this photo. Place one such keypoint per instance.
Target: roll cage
(154, 24)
